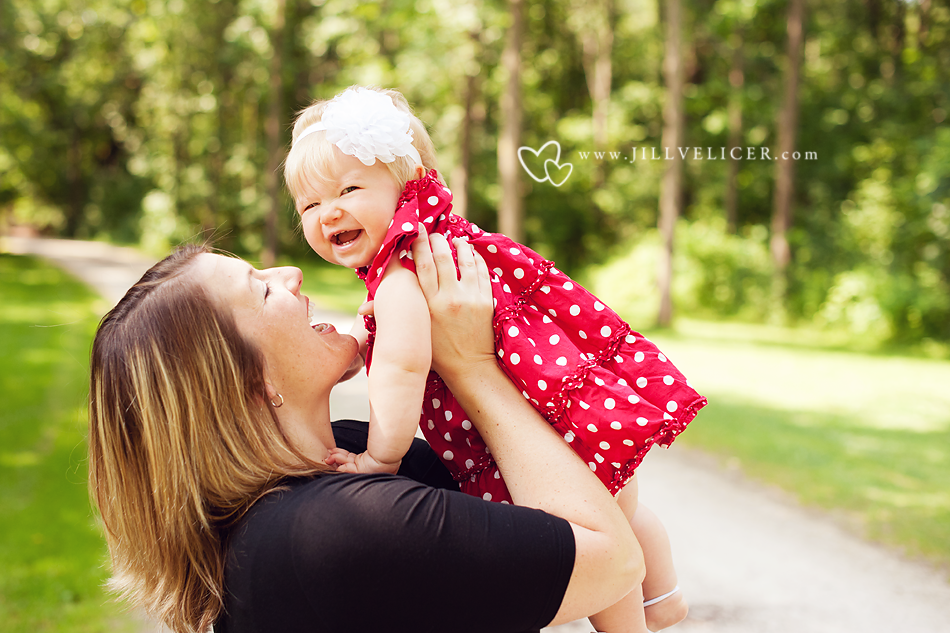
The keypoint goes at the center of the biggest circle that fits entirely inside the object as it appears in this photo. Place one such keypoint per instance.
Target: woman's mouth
(322, 328)
(345, 237)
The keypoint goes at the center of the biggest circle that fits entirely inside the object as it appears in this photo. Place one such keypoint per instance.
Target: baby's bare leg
(626, 616)
(660, 574)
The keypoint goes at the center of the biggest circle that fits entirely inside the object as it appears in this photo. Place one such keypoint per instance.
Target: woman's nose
(289, 276)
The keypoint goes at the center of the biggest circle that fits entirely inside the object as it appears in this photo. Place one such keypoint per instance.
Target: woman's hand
(460, 305)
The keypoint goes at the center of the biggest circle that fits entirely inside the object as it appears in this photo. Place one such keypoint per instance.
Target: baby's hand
(348, 462)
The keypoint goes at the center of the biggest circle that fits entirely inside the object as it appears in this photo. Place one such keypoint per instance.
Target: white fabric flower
(368, 125)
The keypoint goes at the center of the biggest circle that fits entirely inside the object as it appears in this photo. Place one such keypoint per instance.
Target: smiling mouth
(345, 237)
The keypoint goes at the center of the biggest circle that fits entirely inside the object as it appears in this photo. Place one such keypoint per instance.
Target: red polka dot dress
(609, 392)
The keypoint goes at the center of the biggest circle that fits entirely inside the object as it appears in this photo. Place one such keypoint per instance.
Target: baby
(362, 173)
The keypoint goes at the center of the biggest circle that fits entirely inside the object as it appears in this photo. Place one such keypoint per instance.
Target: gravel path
(749, 559)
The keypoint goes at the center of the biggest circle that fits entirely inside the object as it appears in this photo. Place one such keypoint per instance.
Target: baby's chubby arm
(402, 355)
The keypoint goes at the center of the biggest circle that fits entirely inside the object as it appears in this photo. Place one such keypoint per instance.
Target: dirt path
(750, 560)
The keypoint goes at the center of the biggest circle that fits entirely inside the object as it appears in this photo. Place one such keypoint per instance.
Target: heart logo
(551, 166)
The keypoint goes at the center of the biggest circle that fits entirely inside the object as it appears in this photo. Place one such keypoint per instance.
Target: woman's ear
(271, 393)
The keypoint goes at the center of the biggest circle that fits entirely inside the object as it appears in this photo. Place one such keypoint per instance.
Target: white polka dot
(513, 331)
(501, 353)
(638, 357)
(605, 331)
(628, 442)
(391, 223)
(641, 382)
(497, 271)
(618, 358)
(432, 201)
(575, 310)
(537, 360)
(569, 436)
(431, 424)
(561, 361)
(542, 385)
(554, 339)
(505, 503)
(582, 334)
(599, 457)
(616, 426)
(469, 463)
(545, 289)
(448, 456)
(379, 271)
(402, 253)
(671, 406)
(599, 382)
(622, 382)
(435, 403)
(519, 274)
(448, 437)
(497, 475)
(598, 306)
(442, 217)
(642, 421)
(506, 288)
(531, 340)
(661, 358)
(492, 248)
(568, 285)
(514, 251)
(633, 399)
(487, 496)
(668, 380)
(546, 319)
(615, 464)
(583, 404)
(552, 312)
(428, 221)
(407, 226)
(466, 425)
(514, 359)
(667, 416)
(593, 466)
(448, 416)
(591, 428)
(631, 338)
(609, 403)
(605, 446)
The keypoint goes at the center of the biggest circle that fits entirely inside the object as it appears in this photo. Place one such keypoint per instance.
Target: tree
(674, 124)
(787, 131)
(511, 207)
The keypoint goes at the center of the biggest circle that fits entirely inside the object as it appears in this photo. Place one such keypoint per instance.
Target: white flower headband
(368, 125)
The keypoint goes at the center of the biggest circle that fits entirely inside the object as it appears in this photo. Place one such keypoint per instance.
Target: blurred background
(146, 123)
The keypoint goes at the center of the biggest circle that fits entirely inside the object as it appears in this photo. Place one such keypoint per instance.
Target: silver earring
(278, 405)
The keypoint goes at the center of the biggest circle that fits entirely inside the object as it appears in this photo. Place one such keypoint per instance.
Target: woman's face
(302, 362)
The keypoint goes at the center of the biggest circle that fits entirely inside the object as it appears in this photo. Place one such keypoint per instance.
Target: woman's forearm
(539, 467)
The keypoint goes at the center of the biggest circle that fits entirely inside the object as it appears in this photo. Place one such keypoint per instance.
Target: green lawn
(865, 436)
(51, 549)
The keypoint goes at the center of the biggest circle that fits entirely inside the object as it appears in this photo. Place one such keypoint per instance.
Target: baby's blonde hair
(313, 155)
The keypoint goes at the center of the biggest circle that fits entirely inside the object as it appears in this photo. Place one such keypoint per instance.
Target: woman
(209, 441)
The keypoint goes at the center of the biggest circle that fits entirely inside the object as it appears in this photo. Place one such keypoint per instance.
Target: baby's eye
(310, 206)
(348, 190)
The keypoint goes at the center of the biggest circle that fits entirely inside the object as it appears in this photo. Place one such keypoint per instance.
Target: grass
(866, 436)
(51, 548)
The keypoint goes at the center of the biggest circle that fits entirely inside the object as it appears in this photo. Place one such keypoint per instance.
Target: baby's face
(345, 214)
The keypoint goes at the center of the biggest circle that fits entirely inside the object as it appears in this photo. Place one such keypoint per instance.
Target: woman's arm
(540, 469)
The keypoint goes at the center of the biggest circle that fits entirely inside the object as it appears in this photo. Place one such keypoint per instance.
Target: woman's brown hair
(182, 441)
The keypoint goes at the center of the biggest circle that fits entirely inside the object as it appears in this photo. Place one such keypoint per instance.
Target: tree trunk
(510, 209)
(272, 129)
(736, 81)
(460, 175)
(597, 43)
(673, 133)
(784, 164)
(77, 189)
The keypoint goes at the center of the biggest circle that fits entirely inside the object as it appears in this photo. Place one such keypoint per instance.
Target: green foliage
(52, 552)
(145, 122)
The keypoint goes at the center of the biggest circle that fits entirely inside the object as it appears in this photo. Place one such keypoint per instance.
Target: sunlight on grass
(864, 435)
(51, 547)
